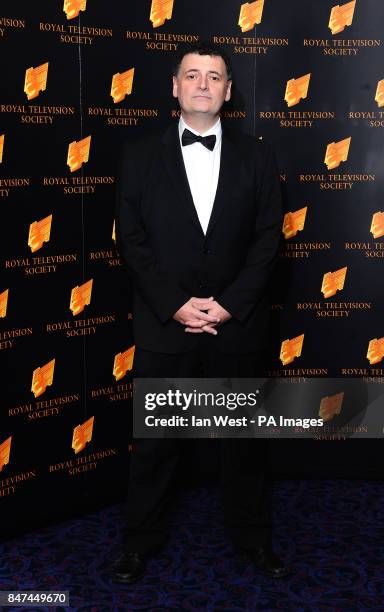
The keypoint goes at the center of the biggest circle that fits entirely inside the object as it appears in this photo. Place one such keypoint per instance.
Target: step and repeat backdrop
(80, 76)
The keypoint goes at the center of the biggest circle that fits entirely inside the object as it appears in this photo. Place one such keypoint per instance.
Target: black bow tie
(189, 137)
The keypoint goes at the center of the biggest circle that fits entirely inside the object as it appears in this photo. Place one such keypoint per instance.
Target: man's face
(202, 85)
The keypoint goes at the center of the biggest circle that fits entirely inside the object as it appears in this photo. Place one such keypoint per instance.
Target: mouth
(201, 97)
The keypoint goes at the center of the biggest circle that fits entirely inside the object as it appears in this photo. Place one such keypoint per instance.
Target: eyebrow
(209, 71)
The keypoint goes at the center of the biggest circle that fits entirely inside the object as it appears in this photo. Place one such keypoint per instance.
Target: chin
(201, 104)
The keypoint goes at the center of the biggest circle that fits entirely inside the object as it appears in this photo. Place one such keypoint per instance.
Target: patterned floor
(330, 532)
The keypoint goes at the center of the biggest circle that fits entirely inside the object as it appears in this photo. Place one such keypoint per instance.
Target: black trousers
(246, 505)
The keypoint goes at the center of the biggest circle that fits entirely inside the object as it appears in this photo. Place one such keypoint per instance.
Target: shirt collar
(215, 129)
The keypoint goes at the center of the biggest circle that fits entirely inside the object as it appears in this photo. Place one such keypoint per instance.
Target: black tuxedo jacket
(170, 259)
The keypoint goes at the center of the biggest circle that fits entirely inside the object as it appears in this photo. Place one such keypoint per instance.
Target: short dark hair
(202, 48)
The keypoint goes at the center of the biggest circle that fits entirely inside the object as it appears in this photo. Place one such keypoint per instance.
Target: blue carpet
(330, 532)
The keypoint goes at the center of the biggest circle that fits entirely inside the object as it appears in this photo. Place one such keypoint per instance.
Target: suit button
(206, 252)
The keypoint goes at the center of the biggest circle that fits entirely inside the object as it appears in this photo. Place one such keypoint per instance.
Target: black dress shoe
(265, 560)
(129, 568)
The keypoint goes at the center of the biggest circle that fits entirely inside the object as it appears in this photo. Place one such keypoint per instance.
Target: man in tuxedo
(198, 226)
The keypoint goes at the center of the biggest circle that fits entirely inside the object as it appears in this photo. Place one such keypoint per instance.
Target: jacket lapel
(174, 163)
(227, 176)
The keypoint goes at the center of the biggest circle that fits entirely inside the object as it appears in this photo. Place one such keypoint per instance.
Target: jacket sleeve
(157, 289)
(241, 296)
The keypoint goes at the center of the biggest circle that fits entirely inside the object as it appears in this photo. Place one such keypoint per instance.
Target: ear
(228, 92)
(175, 87)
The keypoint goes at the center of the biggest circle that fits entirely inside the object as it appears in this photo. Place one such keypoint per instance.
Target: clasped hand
(201, 315)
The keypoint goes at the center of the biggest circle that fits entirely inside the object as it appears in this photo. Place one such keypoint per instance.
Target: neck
(200, 123)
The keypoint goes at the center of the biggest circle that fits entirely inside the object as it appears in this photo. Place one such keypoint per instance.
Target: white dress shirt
(202, 167)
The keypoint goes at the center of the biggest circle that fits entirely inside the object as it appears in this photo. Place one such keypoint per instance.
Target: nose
(203, 82)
